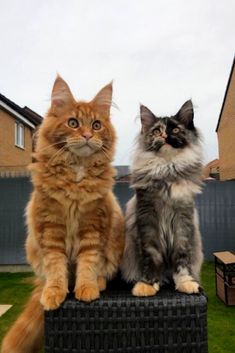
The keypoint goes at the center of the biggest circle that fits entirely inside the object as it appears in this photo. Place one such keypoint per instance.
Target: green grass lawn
(15, 289)
(221, 319)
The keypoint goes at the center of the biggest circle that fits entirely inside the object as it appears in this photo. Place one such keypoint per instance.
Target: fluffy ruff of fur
(75, 225)
(163, 241)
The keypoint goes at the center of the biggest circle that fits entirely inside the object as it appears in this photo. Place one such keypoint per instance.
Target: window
(19, 135)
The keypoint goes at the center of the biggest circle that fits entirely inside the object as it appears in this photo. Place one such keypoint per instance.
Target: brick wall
(226, 134)
(13, 158)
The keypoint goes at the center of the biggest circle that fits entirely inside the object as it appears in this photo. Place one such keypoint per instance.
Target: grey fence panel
(123, 193)
(14, 194)
(216, 207)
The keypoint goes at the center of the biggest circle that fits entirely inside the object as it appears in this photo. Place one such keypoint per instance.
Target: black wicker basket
(170, 322)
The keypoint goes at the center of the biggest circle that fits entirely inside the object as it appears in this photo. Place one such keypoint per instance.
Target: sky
(159, 53)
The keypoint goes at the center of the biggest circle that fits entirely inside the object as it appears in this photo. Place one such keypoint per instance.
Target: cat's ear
(186, 114)
(61, 97)
(103, 100)
(147, 118)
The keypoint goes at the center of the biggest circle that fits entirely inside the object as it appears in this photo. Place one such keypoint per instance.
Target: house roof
(213, 164)
(26, 112)
(226, 92)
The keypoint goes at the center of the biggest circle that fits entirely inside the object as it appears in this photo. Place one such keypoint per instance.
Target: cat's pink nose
(164, 135)
(87, 135)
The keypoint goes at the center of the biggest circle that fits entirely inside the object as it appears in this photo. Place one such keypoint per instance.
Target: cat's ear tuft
(103, 100)
(147, 118)
(186, 114)
(61, 97)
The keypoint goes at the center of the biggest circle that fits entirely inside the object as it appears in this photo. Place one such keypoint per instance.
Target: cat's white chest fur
(184, 189)
(79, 172)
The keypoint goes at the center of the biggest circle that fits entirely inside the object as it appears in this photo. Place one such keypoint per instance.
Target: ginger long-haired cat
(75, 226)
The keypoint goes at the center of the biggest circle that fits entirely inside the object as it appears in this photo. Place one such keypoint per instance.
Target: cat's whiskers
(105, 153)
(56, 154)
(53, 144)
(68, 159)
(106, 148)
(72, 139)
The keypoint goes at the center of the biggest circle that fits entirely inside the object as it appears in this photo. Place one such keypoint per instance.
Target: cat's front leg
(87, 286)
(142, 289)
(152, 264)
(147, 245)
(183, 255)
(54, 266)
(184, 281)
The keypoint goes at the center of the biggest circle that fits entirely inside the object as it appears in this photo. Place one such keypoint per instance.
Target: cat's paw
(52, 297)
(101, 283)
(142, 289)
(87, 292)
(188, 287)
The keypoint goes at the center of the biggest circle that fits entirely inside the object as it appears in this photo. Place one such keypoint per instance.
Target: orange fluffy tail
(26, 335)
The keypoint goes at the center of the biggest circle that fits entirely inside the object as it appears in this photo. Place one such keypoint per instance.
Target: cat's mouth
(84, 148)
(159, 143)
(167, 144)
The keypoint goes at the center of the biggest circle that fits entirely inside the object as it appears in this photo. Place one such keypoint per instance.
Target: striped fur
(75, 225)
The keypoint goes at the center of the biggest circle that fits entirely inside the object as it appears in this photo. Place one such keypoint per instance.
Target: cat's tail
(26, 335)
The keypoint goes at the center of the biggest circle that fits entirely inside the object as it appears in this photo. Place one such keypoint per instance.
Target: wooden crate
(225, 276)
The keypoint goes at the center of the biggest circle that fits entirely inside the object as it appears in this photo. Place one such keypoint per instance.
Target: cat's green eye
(96, 125)
(73, 123)
(156, 132)
(175, 130)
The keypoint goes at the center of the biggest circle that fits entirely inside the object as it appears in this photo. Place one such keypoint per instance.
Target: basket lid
(227, 257)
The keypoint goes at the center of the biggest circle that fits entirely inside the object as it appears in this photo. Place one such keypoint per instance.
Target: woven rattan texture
(120, 323)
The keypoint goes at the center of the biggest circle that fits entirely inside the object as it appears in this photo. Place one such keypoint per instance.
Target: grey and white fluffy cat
(163, 240)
